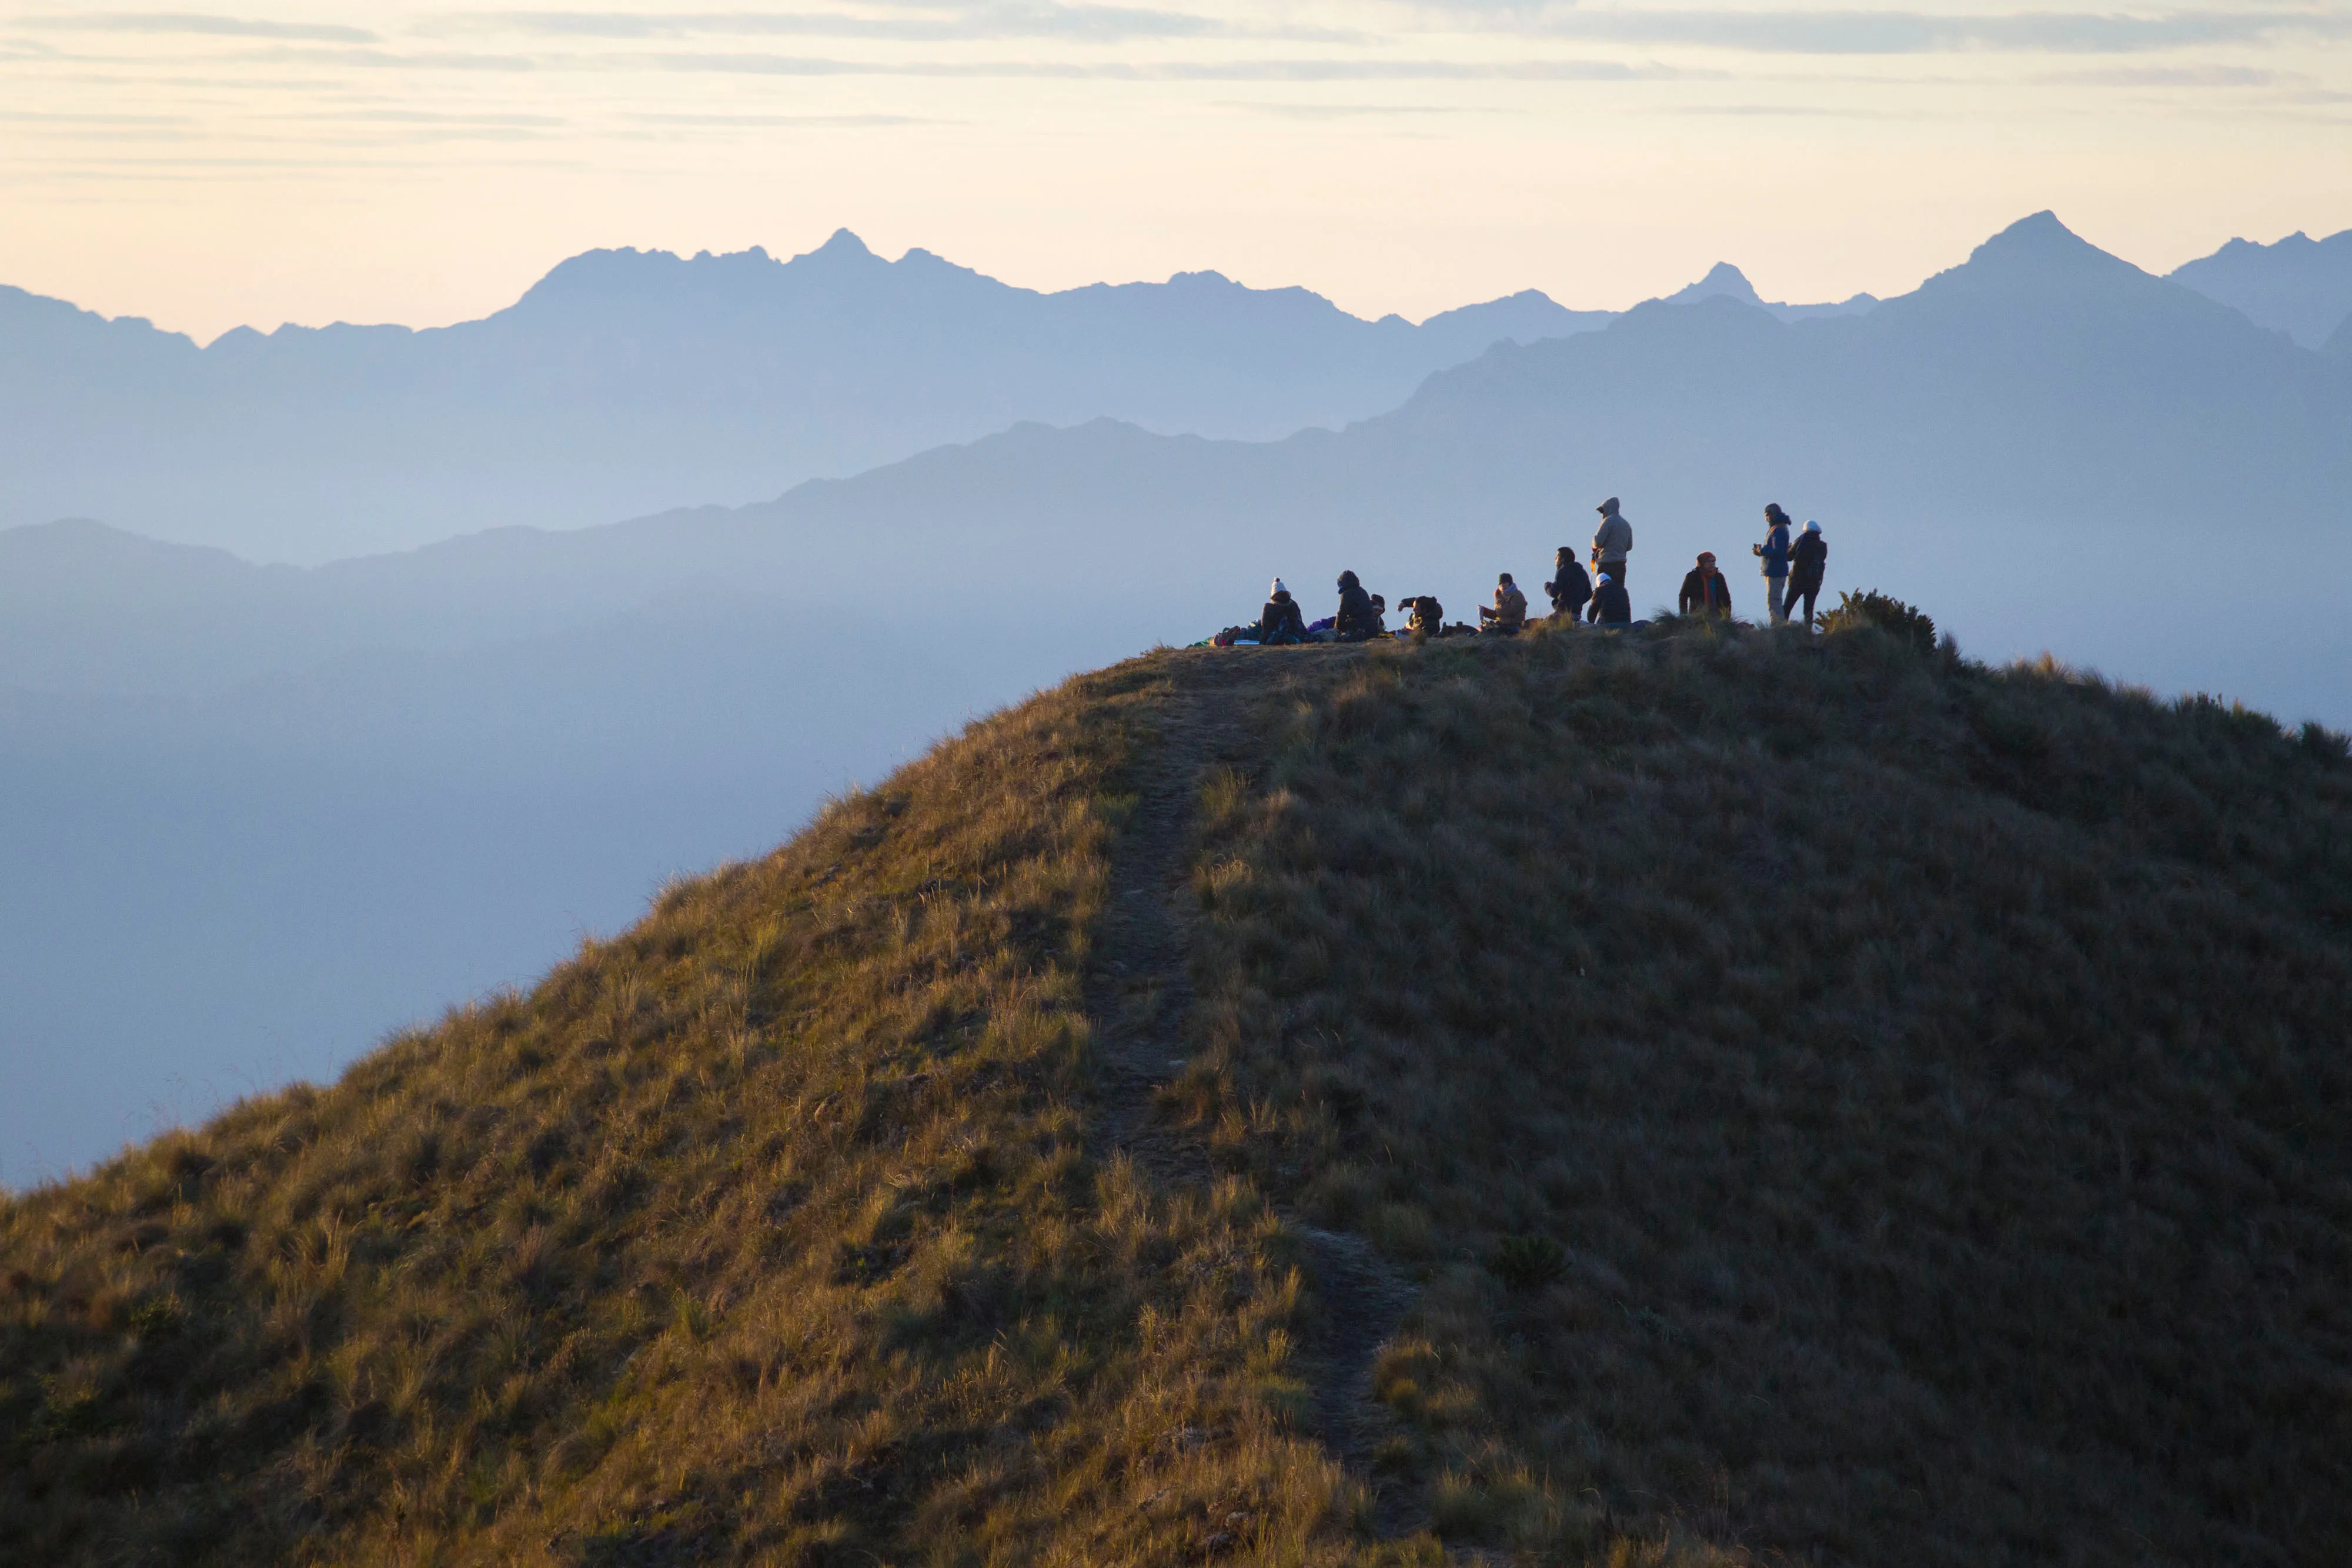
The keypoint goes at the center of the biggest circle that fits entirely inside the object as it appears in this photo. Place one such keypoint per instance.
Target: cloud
(835, 122)
(181, 24)
(1341, 111)
(1183, 70)
(2175, 76)
(917, 24)
(387, 59)
(1912, 32)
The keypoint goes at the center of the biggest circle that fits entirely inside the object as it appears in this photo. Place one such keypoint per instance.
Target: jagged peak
(1721, 279)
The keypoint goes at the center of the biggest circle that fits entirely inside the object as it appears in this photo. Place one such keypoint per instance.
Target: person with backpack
(1807, 562)
(1705, 592)
(1569, 588)
(1610, 605)
(1774, 553)
(1611, 543)
(1510, 611)
(1280, 624)
(1360, 616)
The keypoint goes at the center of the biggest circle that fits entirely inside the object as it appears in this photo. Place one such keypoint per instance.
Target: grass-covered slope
(1841, 1104)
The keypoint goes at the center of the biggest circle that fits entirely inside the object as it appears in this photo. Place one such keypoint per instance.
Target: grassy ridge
(764, 1232)
(1838, 1102)
(1884, 1109)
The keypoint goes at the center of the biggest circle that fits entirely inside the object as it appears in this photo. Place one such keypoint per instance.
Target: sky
(314, 161)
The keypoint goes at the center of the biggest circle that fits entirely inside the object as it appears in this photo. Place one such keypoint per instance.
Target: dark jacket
(1428, 616)
(1610, 605)
(1358, 619)
(1709, 593)
(1807, 560)
(1280, 621)
(1570, 588)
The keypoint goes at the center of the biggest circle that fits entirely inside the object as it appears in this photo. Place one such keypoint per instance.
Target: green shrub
(1889, 614)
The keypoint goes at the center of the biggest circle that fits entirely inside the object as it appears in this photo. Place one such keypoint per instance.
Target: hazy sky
(312, 161)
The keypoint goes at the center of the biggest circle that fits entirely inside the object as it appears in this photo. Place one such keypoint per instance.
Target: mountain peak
(1721, 279)
(2041, 242)
(844, 246)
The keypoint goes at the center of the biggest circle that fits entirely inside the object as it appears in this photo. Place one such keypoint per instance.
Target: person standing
(1774, 553)
(1611, 543)
(1807, 562)
(1568, 587)
(1705, 592)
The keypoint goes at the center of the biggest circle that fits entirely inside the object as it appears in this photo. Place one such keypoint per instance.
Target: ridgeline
(1697, 1096)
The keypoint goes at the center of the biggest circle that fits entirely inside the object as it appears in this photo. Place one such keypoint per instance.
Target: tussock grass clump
(1934, 1078)
(765, 1232)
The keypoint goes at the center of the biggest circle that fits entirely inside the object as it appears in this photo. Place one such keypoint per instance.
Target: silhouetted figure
(1510, 611)
(1611, 543)
(1569, 588)
(1360, 616)
(1774, 553)
(1807, 562)
(1427, 618)
(1705, 592)
(1610, 605)
(1280, 622)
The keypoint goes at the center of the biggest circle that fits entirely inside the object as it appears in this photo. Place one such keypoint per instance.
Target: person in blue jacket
(1774, 553)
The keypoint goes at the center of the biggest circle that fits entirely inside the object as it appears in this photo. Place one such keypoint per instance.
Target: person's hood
(1608, 509)
(1348, 581)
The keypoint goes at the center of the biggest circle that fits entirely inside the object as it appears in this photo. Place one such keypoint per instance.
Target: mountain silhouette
(2298, 285)
(1724, 280)
(627, 381)
(1690, 1098)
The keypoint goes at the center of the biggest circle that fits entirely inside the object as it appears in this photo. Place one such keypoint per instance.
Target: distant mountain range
(2298, 285)
(627, 381)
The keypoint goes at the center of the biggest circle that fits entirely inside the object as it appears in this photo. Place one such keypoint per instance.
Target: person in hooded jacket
(1705, 592)
(1807, 562)
(1774, 553)
(1610, 542)
(1359, 618)
(1280, 624)
(1570, 588)
(1610, 605)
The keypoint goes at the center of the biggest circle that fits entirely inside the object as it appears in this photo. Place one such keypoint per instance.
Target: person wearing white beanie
(1807, 560)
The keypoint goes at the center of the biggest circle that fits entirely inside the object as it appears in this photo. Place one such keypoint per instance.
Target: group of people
(1793, 568)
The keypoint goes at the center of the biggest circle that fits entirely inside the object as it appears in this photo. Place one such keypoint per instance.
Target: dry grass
(1932, 1081)
(762, 1233)
(1850, 1105)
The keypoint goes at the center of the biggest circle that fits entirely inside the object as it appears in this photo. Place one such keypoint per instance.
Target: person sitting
(1610, 605)
(1360, 616)
(1280, 624)
(1705, 592)
(1569, 588)
(1427, 618)
(1510, 611)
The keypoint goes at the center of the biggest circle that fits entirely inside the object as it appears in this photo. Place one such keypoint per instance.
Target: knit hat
(1812, 528)
(1604, 577)
(1706, 555)
(1277, 586)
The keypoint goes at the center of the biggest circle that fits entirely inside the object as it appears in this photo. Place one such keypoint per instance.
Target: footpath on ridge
(1138, 995)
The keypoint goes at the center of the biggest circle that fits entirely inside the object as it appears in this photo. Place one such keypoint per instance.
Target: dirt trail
(1138, 990)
